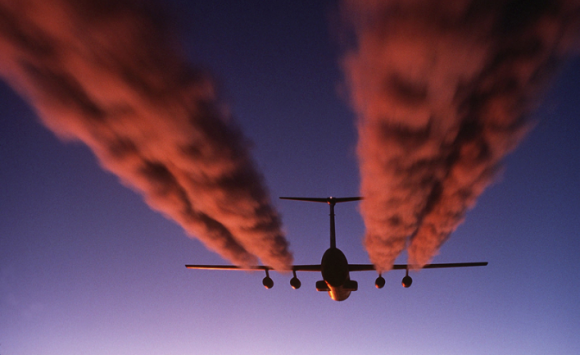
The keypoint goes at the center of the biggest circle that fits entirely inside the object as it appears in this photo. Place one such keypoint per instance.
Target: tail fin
(331, 201)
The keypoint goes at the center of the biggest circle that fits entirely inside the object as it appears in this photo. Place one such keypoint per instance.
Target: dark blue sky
(86, 267)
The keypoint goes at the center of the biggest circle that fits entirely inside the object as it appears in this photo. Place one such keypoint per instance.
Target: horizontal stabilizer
(323, 199)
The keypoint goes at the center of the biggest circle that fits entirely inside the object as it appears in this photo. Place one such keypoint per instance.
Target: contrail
(109, 73)
(441, 91)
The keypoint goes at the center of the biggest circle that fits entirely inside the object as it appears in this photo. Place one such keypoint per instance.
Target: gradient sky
(87, 268)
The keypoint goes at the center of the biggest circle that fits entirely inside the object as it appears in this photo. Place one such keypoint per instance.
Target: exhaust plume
(108, 73)
(441, 91)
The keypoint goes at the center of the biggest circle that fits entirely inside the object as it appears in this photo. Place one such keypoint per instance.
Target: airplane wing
(370, 267)
(317, 267)
(307, 267)
(227, 267)
(252, 268)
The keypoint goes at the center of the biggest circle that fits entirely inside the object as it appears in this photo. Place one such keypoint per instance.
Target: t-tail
(331, 202)
(333, 266)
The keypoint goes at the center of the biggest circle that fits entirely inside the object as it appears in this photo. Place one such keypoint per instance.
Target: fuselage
(334, 268)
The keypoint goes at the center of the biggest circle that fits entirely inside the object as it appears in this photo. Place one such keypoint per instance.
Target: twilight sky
(86, 267)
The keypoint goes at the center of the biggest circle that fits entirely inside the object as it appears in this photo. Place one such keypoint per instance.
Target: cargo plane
(334, 267)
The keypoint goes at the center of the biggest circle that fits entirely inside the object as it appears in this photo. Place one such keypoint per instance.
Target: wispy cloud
(441, 91)
(109, 73)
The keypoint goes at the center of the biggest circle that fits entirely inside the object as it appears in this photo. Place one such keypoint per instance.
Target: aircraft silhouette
(334, 267)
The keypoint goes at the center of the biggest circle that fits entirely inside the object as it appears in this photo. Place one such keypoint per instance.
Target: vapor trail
(441, 91)
(108, 73)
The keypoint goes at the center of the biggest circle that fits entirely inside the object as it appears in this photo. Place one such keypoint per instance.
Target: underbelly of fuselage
(338, 293)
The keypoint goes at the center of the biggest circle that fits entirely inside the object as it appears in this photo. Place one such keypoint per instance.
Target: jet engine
(294, 282)
(380, 282)
(268, 282)
(407, 281)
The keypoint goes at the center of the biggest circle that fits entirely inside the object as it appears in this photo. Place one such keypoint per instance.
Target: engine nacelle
(407, 281)
(295, 283)
(268, 282)
(380, 282)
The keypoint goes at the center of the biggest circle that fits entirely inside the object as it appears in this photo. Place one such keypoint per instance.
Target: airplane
(334, 267)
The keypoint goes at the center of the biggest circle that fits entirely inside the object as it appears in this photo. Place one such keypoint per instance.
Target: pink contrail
(441, 91)
(109, 74)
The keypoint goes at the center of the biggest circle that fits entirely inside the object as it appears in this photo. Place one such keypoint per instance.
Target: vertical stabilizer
(331, 202)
